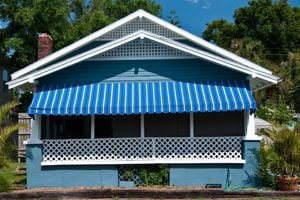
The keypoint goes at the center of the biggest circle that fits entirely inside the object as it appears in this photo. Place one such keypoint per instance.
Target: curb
(143, 193)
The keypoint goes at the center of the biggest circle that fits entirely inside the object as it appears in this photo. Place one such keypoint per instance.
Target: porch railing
(147, 150)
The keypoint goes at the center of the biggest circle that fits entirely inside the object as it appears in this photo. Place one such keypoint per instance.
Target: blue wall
(232, 175)
(66, 176)
(142, 70)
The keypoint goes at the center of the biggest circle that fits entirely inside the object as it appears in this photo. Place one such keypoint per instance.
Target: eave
(243, 63)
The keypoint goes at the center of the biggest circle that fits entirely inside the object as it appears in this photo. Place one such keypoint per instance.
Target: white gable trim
(74, 46)
(140, 34)
(142, 13)
(205, 44)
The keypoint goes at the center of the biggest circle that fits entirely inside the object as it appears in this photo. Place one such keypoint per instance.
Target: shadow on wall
(253, 168)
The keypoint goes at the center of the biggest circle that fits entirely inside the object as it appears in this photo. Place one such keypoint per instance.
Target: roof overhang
(36, 74)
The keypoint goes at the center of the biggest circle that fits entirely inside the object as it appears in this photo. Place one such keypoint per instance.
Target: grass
(18, 179)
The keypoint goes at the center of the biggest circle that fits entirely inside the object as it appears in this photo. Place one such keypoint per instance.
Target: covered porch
(143, 123)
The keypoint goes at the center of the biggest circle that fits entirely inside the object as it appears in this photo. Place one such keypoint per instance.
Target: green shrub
(154, 175)
(5, 184)
(279, 155)
(277, 113)
(266, 176)
(149, 175)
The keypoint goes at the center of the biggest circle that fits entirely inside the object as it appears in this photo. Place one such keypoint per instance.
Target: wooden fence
(23, 134)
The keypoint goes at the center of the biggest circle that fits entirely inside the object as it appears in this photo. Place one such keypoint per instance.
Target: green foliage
(281, 152)
(7, 128)
(278, 114)
(149, 174)
(267, 158)
(5, 184)
(154, 175)
(266, 32)
(275, 23)
(16, 178)
(66, 21)
(173, 18)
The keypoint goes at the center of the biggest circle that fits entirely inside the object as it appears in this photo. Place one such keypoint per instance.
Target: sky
(195, 14)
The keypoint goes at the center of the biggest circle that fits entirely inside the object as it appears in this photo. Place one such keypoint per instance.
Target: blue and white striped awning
(142, 97)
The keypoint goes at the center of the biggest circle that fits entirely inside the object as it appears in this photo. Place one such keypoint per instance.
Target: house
(4, 78)
(141, 91)
(261, 124)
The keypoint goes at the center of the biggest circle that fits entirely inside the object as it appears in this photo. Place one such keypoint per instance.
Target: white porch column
(35, 136)
(191, 124)
(249, 126)
(92, 126)
(142, 126)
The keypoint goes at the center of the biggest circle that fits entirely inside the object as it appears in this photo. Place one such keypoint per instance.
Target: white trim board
(141, 13)
(141, 35)
(138, 162)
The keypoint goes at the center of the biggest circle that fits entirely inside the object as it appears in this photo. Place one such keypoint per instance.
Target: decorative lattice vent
(156, 150)
(139, 49)
(139, 24)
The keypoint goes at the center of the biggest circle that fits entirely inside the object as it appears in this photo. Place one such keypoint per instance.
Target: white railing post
(249, 124)
(142, 126)
(92, 126)
(35, 136)
(191, 124)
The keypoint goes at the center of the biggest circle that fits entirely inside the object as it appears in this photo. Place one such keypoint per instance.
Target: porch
(143, 122)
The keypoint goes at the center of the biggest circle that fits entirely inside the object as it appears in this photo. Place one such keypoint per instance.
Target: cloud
(205, 4)
(193, 1)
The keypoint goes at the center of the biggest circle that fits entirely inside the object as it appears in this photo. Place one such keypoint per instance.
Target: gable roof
(229, 59)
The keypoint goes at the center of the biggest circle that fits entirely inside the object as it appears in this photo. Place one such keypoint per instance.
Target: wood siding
(141, 70)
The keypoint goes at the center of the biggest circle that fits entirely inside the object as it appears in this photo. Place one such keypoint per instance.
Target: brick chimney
(45, 45)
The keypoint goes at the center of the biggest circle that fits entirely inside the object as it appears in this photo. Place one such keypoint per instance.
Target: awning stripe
(142, 97)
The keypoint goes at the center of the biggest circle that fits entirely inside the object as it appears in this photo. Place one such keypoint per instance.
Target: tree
(266, 32)
(173, 18)
(7, 128)
(66, 21)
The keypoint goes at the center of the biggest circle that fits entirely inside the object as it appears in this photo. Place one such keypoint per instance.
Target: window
(167, 125)
(117, 126)
(65, 127)
(216, 124)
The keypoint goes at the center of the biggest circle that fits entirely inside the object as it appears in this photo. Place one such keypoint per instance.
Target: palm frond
(5, 110)
(6, 132)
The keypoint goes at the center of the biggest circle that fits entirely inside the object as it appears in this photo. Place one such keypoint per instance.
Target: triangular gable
(145, 49)
(143, 20)
(140, 23)
(141, 35)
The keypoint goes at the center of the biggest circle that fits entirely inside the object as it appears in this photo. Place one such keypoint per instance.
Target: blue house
(142, 91)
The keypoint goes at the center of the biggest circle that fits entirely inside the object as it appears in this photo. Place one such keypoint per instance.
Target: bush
(154, 175)
(279, 155)
(5, 184)
(277, 113)
(266, 176)
(149, 175)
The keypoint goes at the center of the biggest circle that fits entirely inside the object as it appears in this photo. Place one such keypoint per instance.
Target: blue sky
(195, 14)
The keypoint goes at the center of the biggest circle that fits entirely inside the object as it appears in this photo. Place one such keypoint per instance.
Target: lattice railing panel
(139, 49)
(158, 150)
(139, 24)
